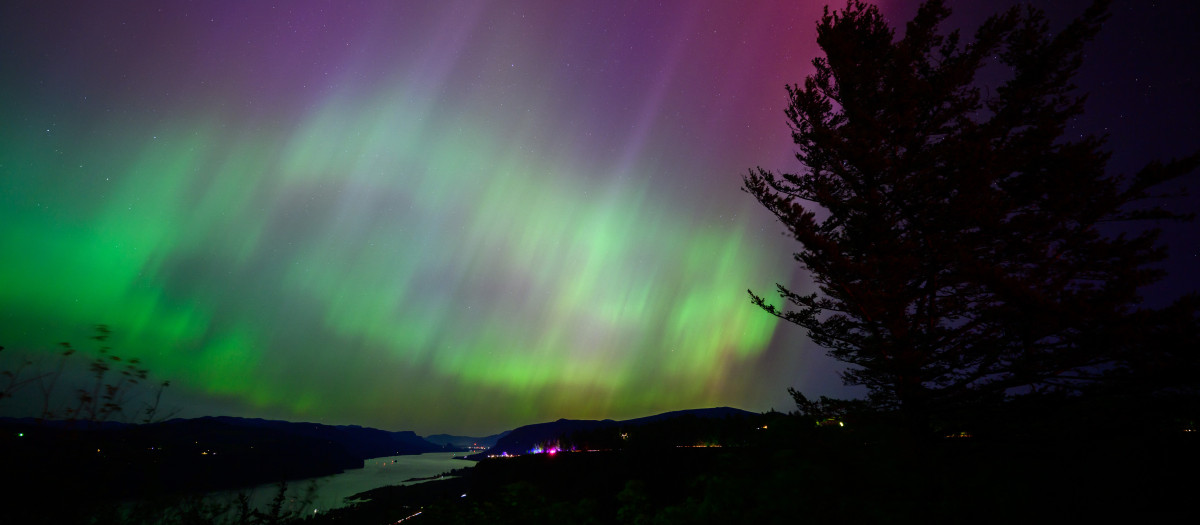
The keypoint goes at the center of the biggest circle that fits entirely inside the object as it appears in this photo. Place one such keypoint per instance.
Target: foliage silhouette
(965, 248)
(75, 432)
(114, 383)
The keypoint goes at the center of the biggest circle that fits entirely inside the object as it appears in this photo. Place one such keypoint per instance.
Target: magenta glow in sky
(437, 216)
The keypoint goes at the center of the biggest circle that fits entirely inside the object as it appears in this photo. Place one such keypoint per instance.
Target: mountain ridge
(525, 438)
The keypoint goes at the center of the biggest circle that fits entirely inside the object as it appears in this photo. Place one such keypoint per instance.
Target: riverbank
(339, 490)
(823, 480)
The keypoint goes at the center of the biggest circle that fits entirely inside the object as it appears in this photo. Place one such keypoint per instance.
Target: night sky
(450, 216)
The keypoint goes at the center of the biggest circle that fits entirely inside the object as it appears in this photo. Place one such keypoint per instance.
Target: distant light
(840, 424)
(20, 434)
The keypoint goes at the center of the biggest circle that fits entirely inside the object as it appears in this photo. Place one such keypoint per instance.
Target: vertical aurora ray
(462, 217)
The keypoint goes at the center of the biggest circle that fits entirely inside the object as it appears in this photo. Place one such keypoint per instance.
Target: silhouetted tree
(957, 236)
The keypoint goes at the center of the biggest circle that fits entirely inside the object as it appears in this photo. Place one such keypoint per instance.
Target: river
(330, 491)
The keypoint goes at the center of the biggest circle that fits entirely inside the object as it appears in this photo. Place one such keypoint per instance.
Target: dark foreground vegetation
(1037, 458)
(81, 471)
(1058, 466)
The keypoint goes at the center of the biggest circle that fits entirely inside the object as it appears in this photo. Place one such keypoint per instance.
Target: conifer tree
(962, 244)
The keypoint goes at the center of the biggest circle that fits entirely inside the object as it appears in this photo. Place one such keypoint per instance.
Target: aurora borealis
(437, 216)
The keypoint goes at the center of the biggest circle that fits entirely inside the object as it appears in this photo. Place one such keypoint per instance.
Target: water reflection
(329, 492)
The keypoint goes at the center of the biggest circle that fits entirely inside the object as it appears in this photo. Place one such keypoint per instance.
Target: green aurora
(390, 247)
(455, 216)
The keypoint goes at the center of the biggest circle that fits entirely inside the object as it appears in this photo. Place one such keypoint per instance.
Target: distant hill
(703, 413)
(465, 441)
(526, 438)
(359, 442)
(189, 454)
